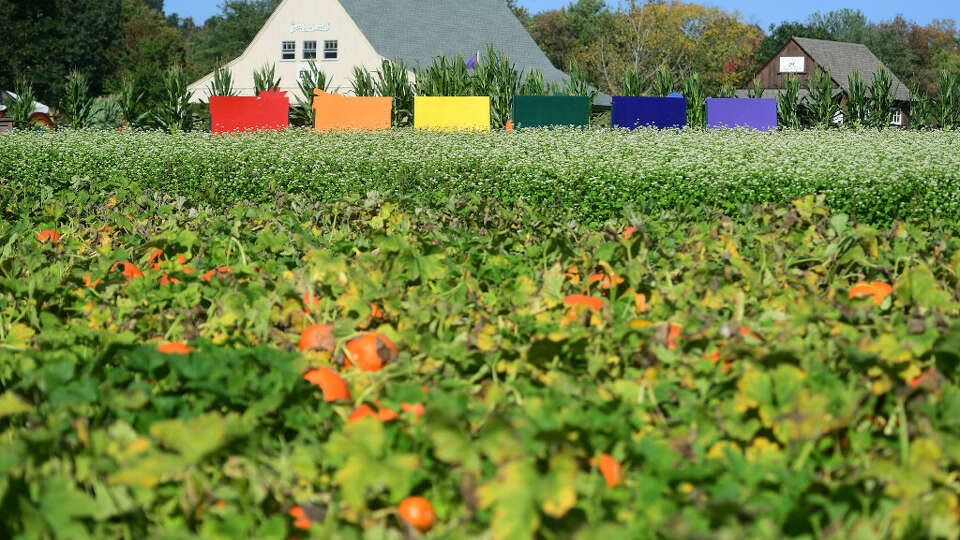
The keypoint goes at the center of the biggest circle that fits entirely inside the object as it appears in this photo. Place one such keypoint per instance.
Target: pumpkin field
(216, 345)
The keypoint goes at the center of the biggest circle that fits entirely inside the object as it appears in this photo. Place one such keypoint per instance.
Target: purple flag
(472, 63)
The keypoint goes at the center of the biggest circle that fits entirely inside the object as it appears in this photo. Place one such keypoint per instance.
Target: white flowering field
(594, 175)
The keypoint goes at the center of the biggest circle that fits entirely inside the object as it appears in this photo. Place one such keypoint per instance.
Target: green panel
(548, 111)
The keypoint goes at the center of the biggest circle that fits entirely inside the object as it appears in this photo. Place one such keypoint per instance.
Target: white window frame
(307, 50)
(288, 47)
(334, 49)
(896, 116)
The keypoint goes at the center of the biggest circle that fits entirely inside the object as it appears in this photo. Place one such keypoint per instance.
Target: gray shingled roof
(419, 30)
(842, 59)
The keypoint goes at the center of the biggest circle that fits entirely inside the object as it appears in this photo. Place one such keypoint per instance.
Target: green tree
(226, 35)
(147, 47)
(43, 40)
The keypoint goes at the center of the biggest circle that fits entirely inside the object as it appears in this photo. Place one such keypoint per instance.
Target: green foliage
(823, 102)
(44, 41)
(443, 77)
(633, 84)
(756, 89)
(310, 79)
(173, 113)
(76, 105)
(495, 76)
(752, 391)
(222, 82)
(663, 82)
(20, 108)
(789, 106)
(105, 113)
(533, 84)
(692, 89)
(946, 108)
(226, 34)
(362, 83)
(921, 106)
(131, 102)
(577, 84)
(857, 108)
(265, 78)
(392, 80)
(727, 91)
(881, 100)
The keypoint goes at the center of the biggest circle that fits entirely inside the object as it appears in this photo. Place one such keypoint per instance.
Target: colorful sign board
(660, 112)
(756, 113)
(550, 111)
(269, 110)
(333, 112)
(452, 113)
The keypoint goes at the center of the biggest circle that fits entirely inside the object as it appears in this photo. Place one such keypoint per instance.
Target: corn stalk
(265, 78)
(77, 103)
(857, 109)
(881, 99)
(788, 103)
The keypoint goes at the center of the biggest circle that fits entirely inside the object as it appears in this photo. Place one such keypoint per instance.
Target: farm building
(800, 56)
(341, 34)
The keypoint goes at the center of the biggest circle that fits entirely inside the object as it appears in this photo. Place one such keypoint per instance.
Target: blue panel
(659, 112)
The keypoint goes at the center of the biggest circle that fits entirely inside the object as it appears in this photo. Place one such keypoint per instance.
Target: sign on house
(791, 64)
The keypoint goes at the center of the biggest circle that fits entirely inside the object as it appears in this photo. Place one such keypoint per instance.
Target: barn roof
(842, 59)
(418, 30)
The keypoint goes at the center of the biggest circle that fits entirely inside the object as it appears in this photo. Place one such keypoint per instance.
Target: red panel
(269, 110)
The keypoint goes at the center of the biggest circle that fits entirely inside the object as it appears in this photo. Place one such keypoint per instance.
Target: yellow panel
(452, 113)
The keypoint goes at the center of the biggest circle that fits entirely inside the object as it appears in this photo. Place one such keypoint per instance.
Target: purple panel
(659, 112)
(756, 113)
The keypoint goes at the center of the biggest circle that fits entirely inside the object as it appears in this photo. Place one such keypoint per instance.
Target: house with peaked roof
(341, 34)
(801, 56)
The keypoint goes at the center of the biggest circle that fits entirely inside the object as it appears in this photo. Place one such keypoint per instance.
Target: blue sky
(762, 12)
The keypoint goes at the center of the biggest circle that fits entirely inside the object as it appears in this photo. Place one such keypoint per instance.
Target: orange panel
(336, 113)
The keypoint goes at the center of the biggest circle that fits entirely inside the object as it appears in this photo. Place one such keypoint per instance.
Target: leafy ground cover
(787, 373)
(595, 175)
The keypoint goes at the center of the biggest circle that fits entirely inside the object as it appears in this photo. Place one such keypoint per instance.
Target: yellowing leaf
(193, 438)
(557, 487)
(11, 405)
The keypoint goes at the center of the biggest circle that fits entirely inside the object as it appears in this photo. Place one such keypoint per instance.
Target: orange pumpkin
(309, 301)
(878, 290)
(183, 261)
(610, 469)
(167, 279)
(329, 382)
(628, 232)
(88, 283)
(606, 280)
(573, 274)
(672, 335)
(154, 260)
(222, 270)
(317, 336)
(48, 235)
(301, 522)
(174, 347)
(640, 300)
(415, 409)
(417, 512)
(370, 352)
(128, 269)
(591, 302)
(364, 410)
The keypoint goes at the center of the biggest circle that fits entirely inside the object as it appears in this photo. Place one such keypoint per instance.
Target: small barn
(801, 56)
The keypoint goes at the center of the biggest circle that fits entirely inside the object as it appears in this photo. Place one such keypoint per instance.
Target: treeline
(112, 41)
(617, 50)
(721, 47)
